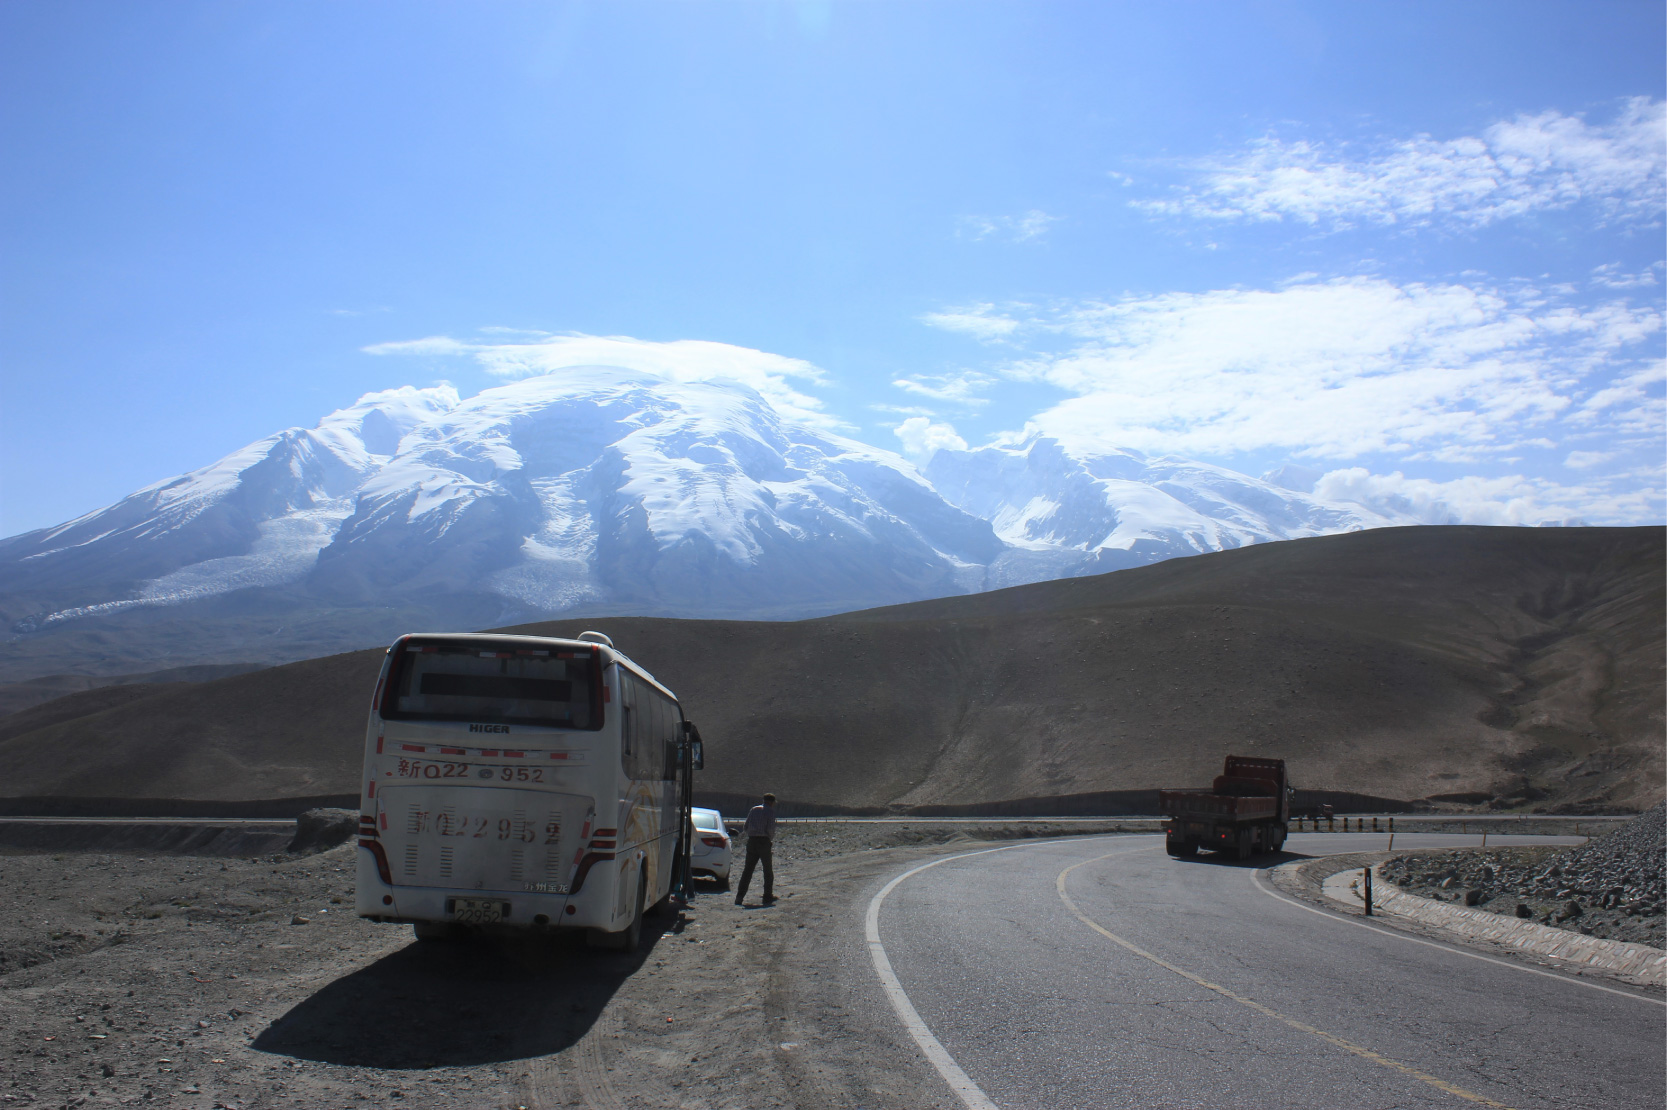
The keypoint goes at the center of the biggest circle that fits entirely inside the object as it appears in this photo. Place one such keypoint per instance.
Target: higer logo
(488, 728)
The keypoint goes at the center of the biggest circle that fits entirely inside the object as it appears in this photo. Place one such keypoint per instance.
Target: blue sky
(1417, 248)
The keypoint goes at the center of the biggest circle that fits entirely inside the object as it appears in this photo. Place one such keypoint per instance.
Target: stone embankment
(1611, 887)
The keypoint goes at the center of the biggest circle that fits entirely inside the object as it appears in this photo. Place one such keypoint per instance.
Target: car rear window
(500, 683)
(707, 821)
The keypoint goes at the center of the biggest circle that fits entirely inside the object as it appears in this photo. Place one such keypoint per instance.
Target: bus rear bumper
(377, 900)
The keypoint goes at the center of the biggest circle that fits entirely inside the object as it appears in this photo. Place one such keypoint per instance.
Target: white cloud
(1343, 369)
(682, 360)
(1610, 276)
(1583, 460)
(960, 389)
(1530, 163)
(432, 345)
(514, 333)
(902, 410)
(1032, 225)
(1512, 500)
(1027, 227)
(922, 438)
(981, 321)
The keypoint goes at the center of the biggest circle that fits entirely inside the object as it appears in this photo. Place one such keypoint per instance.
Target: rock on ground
(1611, 887)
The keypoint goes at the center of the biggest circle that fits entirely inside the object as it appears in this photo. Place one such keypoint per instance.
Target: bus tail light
(601, 849)
(382, 868)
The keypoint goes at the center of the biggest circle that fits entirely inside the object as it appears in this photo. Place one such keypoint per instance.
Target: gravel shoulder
(249, 983)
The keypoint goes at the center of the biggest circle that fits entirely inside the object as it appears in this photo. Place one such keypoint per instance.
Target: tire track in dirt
(576, 1076)
(590, 1073)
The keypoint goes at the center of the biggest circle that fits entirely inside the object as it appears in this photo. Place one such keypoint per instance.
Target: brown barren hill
(1516, 667)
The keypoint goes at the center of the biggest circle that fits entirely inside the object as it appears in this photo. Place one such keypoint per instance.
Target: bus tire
(628, 938)
(436, 930)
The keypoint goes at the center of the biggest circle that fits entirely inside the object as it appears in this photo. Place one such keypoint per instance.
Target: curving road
(1098, 972)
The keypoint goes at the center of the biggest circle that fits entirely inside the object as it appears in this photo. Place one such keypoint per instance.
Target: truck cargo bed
(1203, 803)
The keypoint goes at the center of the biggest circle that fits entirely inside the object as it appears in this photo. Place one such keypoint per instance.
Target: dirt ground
(189, 981)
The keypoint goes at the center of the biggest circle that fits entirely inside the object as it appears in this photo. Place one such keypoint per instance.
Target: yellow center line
(1331, 1038)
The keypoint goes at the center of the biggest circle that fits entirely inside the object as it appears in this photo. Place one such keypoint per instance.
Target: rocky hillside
(1516, 668)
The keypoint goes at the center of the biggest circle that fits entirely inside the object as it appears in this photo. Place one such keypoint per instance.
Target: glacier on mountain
(1094, 513)
(598, 488)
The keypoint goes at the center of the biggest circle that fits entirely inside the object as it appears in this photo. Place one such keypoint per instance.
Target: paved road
(1211, 993)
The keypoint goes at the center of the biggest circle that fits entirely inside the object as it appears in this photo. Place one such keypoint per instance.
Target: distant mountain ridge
(599, 489)
(1076, 515)
(1520, 668)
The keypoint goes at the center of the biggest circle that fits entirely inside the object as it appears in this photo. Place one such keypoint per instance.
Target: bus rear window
(496, 683)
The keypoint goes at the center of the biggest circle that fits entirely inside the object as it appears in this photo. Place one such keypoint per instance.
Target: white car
(709, 853)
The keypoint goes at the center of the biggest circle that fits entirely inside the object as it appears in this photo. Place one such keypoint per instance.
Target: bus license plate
(477, 911)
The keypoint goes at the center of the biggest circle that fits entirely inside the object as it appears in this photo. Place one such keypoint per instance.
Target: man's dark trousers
(758, 851)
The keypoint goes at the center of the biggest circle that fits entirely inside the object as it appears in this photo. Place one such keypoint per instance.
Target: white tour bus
(521, 781)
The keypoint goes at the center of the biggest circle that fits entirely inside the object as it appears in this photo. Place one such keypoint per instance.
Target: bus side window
(668, 750)
(651, 739)
(628, 723)
(654, 754)
(668, 747)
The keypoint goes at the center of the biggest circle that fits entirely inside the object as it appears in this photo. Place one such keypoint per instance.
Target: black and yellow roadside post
(1366, 877)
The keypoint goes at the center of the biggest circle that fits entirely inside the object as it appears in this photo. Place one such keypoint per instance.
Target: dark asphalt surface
(1041, 1010)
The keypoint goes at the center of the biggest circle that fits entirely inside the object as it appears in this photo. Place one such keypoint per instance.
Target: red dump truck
(1245, 811)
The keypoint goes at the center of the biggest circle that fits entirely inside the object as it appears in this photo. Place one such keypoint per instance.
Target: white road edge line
(1256, 879)
(970, 1094)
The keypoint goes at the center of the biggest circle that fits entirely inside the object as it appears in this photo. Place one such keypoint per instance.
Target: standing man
(761, 831)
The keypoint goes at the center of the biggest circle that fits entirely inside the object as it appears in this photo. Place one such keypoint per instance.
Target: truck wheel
(1180, 847)
(1246, 845)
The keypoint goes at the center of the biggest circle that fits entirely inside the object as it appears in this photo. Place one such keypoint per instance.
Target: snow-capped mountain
(603, 489)
(592, 488)
(1065, 515)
